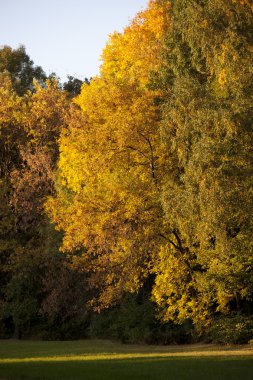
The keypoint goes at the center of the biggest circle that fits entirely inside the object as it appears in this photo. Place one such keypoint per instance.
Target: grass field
(105, 360)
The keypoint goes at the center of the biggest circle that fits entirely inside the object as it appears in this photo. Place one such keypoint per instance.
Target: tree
(12, 108)
(30, 129)
(21, 69)
(73, 85)
(207, 194)
(109, 169)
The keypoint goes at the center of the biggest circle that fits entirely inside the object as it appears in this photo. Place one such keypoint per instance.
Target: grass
(105, 360)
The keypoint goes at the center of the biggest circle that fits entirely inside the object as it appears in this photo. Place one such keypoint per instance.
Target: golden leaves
(108, 164)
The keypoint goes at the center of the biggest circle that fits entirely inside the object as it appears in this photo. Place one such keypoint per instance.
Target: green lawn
(105, 360)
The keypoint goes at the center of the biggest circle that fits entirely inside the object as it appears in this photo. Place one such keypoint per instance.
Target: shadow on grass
(133, 369)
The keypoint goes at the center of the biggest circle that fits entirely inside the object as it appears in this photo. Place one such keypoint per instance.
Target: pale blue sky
(65, 36)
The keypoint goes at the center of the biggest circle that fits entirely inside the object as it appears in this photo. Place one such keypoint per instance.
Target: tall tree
(109, 168)
(206, 267)
(30, 128)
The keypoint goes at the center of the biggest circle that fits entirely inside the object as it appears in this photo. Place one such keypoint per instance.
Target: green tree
(73, 85)
(207, 192)
(21, 68)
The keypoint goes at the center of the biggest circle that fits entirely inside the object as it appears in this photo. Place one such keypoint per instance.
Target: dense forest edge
(126, 200)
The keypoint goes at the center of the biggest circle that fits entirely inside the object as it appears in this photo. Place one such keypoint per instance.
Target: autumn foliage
(146, 175)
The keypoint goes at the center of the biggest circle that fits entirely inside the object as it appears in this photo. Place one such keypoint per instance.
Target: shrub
(235, 329)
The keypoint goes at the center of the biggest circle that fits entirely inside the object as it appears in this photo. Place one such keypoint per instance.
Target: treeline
(126, 211)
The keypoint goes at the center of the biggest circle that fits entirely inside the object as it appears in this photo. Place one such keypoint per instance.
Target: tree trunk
(16, 334)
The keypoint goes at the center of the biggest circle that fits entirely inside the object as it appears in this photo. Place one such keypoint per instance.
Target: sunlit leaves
(109, 167)
(207, 196)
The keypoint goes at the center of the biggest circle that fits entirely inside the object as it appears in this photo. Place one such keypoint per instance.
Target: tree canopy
(20, 67)
(134, 186)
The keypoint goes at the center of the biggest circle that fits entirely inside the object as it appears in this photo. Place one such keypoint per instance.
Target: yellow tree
(110, 164)
(12, 108)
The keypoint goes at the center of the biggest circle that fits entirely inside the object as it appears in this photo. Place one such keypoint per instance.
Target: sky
(65, 36)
